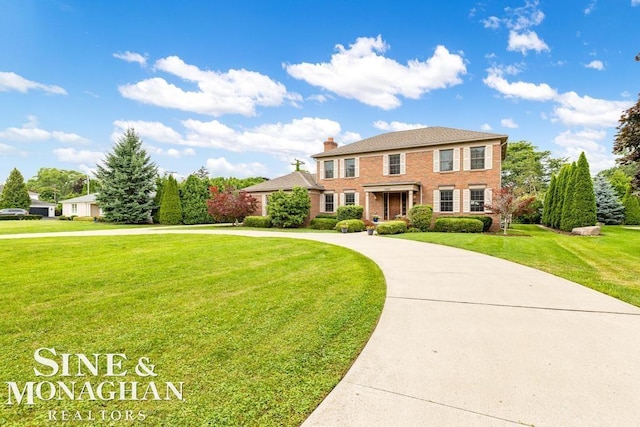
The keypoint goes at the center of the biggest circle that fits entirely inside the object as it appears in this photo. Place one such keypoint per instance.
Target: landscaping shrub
(326, 215)
(323, 223)
(83, 218)
(353, 225)
(420, 216)
(458, 225)
(289, 210)
(350, 212)
(631, 204)
(257, 221)
(484, 219)
(19, 217)
(392, 227)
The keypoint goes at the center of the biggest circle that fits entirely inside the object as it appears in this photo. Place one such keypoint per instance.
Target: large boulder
(587, 231)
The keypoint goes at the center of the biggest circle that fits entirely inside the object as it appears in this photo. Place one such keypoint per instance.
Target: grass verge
(51, 226)
(607, 263)
(257, 338)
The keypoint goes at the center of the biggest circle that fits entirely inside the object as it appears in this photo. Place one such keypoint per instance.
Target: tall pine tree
(610, 210)
(15, 194)
(194, 194)
(170, 207)
(579, 209)
(127, 181)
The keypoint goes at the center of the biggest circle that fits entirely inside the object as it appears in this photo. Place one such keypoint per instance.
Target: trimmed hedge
(485, 219)
(392, 227)
(420, 216)
(20, 217)
(458, 225)
(353, 225)
(350, 212)
(257, 221)
(326, 215)
(323, 223)
(84, 218)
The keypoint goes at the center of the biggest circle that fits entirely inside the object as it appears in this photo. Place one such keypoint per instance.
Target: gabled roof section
(412, 138)
(286, 182)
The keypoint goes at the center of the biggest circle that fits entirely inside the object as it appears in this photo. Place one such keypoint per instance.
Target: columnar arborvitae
(631, 204)
(127, 178)
(15, 194)
(579, 208)
(170, 207)
(193, 195)
(558, 201)
(157, 200)
(610, 210)
(549, 200)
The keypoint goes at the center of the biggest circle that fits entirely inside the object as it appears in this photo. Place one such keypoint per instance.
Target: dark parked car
(13, 211)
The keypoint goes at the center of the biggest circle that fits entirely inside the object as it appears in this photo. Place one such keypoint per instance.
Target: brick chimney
(330, 144)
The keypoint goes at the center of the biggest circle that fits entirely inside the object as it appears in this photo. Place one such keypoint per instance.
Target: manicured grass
(257, 338)
(51, 225)
(607, 263)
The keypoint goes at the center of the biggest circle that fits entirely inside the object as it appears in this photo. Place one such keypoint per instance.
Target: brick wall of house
(418, 168)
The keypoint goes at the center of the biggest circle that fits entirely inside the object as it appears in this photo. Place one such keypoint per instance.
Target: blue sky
(245, 87)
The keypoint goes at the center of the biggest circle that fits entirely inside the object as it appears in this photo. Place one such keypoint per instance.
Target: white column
(366, 205)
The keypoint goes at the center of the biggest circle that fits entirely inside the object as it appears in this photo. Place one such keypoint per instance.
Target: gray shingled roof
(287, 182)
(411, 138)
(88, 198)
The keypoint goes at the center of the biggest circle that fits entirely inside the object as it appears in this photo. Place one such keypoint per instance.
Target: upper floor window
(328, 169)
(446, 160)
(349, 199)
(349, 168)
(477, 157)
(446, 200)
(394, 164)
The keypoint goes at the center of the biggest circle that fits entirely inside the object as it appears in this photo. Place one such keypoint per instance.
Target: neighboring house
(286, 183)
(81, 206)
(38, 207)
(453, 170)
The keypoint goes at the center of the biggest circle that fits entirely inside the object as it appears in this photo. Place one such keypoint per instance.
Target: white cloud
(575, 110)
(12, 81)
(363, 73)
(486, 127)
(396, 126)
(587, 140)
(29, 132)
(284, 140)
(635, 2)
(524, 90)
(71, 155)
(233, 92)
(492, 22)
(222, 167)
(522, 42)
(319, 98)
(132, 57)
(171, 152)
(524, 17)
(509, 123)
(596, 65)
(590, 8)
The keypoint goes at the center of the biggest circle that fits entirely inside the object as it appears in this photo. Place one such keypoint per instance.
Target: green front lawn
(258, 333)
(607, 263)
(54, 225)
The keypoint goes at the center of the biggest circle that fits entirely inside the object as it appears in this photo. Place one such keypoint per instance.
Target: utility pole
(297, 164)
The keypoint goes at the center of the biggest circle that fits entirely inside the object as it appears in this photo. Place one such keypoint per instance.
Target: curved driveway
(468, 339)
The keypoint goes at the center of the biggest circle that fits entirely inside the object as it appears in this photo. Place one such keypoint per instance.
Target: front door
(394, 205)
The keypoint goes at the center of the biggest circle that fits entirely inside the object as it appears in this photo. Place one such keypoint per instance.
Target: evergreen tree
(157, 200)
(194, 194)
(631, 204)
(610, 210)
(558, 201)
(170, 207)
(15, 193)
(549, 200)
(127, 181)
(579, 208)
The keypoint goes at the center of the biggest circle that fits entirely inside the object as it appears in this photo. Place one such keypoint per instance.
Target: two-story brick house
(453, 170)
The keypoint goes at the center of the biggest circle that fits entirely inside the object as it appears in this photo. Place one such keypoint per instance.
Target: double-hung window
(349, 199)
(477, 157)
(328, 169)
(350, 168)
(394, 164)
(446, 200)
(477, 200)
(329, 203)
(446, 160)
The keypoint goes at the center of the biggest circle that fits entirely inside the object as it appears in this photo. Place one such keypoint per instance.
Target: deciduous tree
(127, 181)
(527, 170)
(230, 205)
(507, 205)
(627, 140)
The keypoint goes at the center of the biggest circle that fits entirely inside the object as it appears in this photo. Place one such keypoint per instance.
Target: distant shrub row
(19, 217)
(257, 221)
(458, 225)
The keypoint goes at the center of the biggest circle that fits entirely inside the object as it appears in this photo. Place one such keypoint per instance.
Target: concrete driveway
(468, 339)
